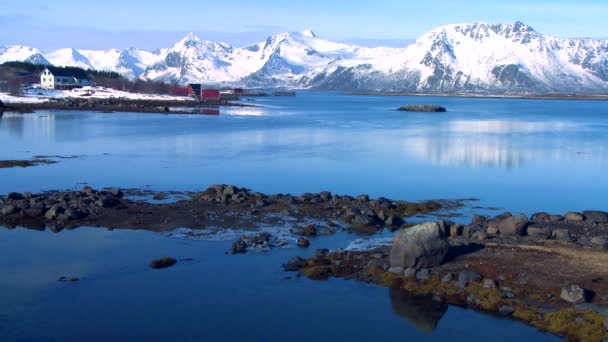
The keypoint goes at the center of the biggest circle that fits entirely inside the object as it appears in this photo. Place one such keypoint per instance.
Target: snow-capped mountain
(22, 53)
(480, 57)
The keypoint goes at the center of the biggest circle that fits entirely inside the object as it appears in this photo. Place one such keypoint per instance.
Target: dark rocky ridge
(222, 206)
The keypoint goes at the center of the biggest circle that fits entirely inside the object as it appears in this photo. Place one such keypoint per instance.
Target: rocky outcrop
(423, 108)
(421, 246)
(596, 216)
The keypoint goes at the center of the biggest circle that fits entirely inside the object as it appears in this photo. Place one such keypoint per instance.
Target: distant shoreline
(119, 105)
(495, 96)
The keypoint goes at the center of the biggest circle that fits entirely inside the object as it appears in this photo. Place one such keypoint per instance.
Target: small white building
(61, 78)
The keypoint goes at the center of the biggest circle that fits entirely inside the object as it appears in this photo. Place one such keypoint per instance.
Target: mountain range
(465, 58)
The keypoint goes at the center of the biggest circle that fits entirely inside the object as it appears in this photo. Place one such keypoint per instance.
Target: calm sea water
(520, 155)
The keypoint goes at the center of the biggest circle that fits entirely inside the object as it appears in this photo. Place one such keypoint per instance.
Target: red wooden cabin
(210, 94)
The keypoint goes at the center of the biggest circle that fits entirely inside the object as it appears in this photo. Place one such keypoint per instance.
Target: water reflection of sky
(215, 297)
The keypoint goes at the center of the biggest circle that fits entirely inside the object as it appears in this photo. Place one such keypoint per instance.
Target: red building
(180, 91)
(210, 94)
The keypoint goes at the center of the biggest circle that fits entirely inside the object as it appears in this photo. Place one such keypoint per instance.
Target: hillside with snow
(472, 58)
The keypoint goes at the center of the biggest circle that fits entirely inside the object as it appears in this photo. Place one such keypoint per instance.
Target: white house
(62, 78)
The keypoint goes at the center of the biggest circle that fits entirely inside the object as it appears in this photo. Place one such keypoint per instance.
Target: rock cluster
(364, 215)
(587, 228)
(59, 208)
(258, 242)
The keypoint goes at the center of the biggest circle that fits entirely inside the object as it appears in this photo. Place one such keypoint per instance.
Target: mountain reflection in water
(495, 143)
(422, 311)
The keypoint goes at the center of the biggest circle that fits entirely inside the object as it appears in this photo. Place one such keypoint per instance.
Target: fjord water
(520, 155)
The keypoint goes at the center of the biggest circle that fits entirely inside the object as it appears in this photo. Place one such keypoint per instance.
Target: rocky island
(423, 108)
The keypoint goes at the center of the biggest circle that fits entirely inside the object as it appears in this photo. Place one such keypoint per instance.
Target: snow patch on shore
(39, 95)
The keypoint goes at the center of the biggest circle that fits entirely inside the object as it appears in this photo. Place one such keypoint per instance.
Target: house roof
(68, 72)
(195, 87)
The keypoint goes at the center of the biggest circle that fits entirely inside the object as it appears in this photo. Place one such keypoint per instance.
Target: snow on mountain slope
(193, 60)
(477, 58)
(483, 57)
(69, 57)
(21, 53)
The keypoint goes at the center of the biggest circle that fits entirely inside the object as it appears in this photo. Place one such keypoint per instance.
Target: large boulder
(574, 294)
(421, 246)
(514, 225)
(573, 216)
(596, 216)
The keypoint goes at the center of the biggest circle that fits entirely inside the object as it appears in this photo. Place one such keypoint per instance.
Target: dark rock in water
(163, 262)
(422, 108)
(514, 225)
(606, 324)
(68, 279)
(506, 310)
(421, 246)
(239, 246)
(574, 217)
(303, 242)
(574, 294)
(596, 216)
(424, 312)
(294, 264)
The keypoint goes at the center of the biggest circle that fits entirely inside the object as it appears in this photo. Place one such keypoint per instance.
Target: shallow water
(215, 297)
(520, 155)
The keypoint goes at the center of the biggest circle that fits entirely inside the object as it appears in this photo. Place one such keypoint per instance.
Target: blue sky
(153, 24)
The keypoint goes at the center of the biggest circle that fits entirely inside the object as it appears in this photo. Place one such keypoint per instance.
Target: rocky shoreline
(549, 271)
(117, 105)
